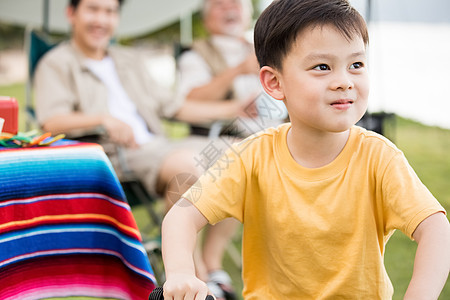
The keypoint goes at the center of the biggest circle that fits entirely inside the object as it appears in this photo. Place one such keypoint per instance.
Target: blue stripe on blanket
(44, 240)
(46, 173)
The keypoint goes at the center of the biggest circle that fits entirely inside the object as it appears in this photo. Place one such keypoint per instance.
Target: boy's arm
(432, 261)
(179, 234)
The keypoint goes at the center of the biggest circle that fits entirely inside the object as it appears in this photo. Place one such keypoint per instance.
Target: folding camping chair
(36, 45)
(380, 122)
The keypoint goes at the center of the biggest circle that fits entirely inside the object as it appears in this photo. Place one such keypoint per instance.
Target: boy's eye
(357, 65)
(322, 67)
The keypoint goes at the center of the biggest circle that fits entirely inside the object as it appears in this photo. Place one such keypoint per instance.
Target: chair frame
(31, 38)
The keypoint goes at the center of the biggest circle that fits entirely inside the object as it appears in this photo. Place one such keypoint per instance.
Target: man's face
(225, 17)
(93, 24)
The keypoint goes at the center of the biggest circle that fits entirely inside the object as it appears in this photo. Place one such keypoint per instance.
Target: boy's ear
(270, 80)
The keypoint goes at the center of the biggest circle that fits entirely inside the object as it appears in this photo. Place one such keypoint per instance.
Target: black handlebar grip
(157, 294)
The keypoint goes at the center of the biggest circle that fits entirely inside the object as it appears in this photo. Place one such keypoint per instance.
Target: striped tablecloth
(65, 227)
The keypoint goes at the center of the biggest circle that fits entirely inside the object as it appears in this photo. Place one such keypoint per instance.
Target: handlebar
(157, 294)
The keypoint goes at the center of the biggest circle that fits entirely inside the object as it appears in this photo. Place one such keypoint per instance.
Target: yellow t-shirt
(315, 233)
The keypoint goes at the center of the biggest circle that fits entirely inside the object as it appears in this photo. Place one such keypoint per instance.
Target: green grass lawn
(426, 148)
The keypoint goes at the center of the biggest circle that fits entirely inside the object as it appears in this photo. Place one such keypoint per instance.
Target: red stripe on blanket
(73, 275)
(77, 210)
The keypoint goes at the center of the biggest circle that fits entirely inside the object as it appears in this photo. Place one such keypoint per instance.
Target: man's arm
(64, 123)
(432, 262)
(118, 131)
(179, 234)
(219, 86)
(204, 112)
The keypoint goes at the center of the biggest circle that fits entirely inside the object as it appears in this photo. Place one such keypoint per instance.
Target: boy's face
(93, 24)
(324, 80)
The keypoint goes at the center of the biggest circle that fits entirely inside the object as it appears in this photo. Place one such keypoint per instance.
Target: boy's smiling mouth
(342, 104)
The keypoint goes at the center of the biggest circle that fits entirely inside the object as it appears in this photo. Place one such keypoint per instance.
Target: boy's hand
(185, 286)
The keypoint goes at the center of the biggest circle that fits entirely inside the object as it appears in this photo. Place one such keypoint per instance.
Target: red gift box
(9, 110)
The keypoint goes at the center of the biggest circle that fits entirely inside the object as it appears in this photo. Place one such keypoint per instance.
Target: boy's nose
(342, 81)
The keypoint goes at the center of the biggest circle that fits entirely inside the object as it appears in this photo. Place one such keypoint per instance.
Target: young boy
(319, 197)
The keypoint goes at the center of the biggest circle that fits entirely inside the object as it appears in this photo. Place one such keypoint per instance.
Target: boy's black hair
(280, 23)
(74, 3)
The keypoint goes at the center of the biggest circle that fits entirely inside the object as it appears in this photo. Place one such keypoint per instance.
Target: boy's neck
(315, 149)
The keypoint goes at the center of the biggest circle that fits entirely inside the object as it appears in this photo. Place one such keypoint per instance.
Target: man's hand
(250, 65)
(119, 132)
(248, 108)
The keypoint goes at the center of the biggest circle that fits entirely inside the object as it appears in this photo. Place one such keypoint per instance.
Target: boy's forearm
(178, 242)
(432, 261)
(179, 233)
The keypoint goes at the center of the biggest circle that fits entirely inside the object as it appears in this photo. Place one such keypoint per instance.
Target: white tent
(138, 17)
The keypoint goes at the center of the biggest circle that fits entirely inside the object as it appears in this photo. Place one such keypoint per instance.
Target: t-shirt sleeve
(406, 200)
(220, 191)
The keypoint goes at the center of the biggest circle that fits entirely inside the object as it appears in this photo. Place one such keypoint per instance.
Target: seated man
(85, 83)
(224, 66)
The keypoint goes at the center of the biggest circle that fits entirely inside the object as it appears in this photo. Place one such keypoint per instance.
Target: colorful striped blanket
(66, 229)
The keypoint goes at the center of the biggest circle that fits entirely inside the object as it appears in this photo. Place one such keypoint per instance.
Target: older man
(224, 66)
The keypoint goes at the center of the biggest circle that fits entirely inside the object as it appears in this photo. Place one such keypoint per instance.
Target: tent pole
(46, 14)
(368, 11)
(186, 29)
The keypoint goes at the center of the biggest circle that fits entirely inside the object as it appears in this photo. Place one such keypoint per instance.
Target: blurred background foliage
(11, 36)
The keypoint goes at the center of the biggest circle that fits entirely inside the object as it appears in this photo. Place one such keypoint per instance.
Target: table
(66, 229)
